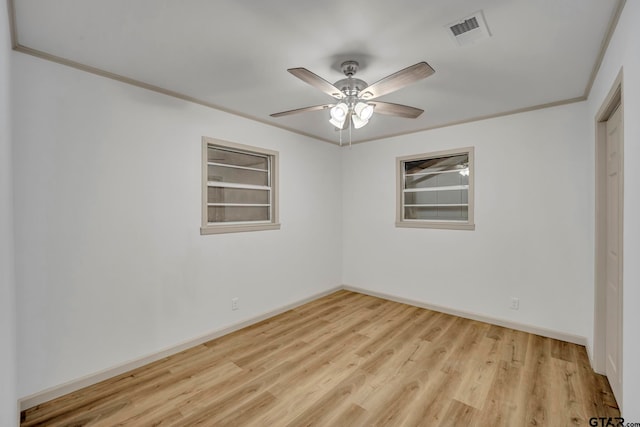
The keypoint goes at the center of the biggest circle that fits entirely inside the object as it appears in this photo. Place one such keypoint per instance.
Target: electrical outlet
(515, 303)
(235, 303)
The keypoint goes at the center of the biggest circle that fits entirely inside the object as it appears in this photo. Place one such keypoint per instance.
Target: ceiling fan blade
(397, 80)
(302, 110)
(317, 82)
(397, 110)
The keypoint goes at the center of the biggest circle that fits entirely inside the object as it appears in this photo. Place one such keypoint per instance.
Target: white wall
(533, 216)
(110, 264)
(8, 399)
(623, 52)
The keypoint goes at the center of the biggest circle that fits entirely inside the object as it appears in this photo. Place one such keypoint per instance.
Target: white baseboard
(549, 333)
(71, 386)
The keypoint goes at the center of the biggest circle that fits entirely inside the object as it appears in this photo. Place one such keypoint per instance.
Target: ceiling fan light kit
(358, 122)
(363, 110)
(360, 113)
(339, 112)
(354, 108)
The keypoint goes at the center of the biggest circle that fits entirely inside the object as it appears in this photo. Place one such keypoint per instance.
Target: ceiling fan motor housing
(350, 86)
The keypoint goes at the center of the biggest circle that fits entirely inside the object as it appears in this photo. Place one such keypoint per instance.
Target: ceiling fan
(354, 96)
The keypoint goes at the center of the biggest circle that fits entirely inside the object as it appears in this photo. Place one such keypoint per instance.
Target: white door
(614, 255)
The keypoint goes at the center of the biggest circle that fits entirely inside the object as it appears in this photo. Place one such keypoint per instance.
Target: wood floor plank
(391, 328)
(537, 372)
(381, 316)
(217, 403)
(596, 393)
(161, 404)
(434, 399)
(562, 350)
(565, 379)
(501, 405)
(81, 400)
(399, 395)
(438, 328)
(335, 399)
(475, 386)
(441, 359)
(242, 415)
(353, 415)
(271, 345)
(385, 368)
(316, 370)
(350, 359)
(459, 414)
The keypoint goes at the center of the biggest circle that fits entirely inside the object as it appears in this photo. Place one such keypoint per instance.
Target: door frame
(613, 100)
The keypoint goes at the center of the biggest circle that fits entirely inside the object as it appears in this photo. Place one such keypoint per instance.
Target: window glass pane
(413, 198)
(452, 197)
(237, 214)
(436, 180)
(449, 213)
(227, 157)
(237, 195)
(436, 197)
(237, 176)
(436, 164)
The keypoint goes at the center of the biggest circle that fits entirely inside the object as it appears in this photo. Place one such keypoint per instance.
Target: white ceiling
(234, 54)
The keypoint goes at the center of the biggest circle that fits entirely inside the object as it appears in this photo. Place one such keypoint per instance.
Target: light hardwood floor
(351, 360)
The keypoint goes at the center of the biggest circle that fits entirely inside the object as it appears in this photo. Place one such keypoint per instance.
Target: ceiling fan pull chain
(350, 126)
(340, 137)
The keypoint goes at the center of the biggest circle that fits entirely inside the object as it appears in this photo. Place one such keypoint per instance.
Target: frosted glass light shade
(337, 123)
(363, 110)
(339, 112)
(358, 122)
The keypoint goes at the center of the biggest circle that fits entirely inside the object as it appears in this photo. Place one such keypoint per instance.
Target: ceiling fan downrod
(350, 86)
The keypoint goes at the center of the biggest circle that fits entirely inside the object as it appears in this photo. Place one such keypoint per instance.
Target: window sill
(437, 224)
(237, 228)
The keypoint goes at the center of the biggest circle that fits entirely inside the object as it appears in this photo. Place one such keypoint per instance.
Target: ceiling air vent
(463, 27)
(469, 30)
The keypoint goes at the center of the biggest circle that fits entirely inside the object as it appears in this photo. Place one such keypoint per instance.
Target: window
(239, 188)
(435, 190)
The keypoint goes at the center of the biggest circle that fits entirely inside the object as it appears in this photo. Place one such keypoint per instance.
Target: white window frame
(423, 223)
(239, 226)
